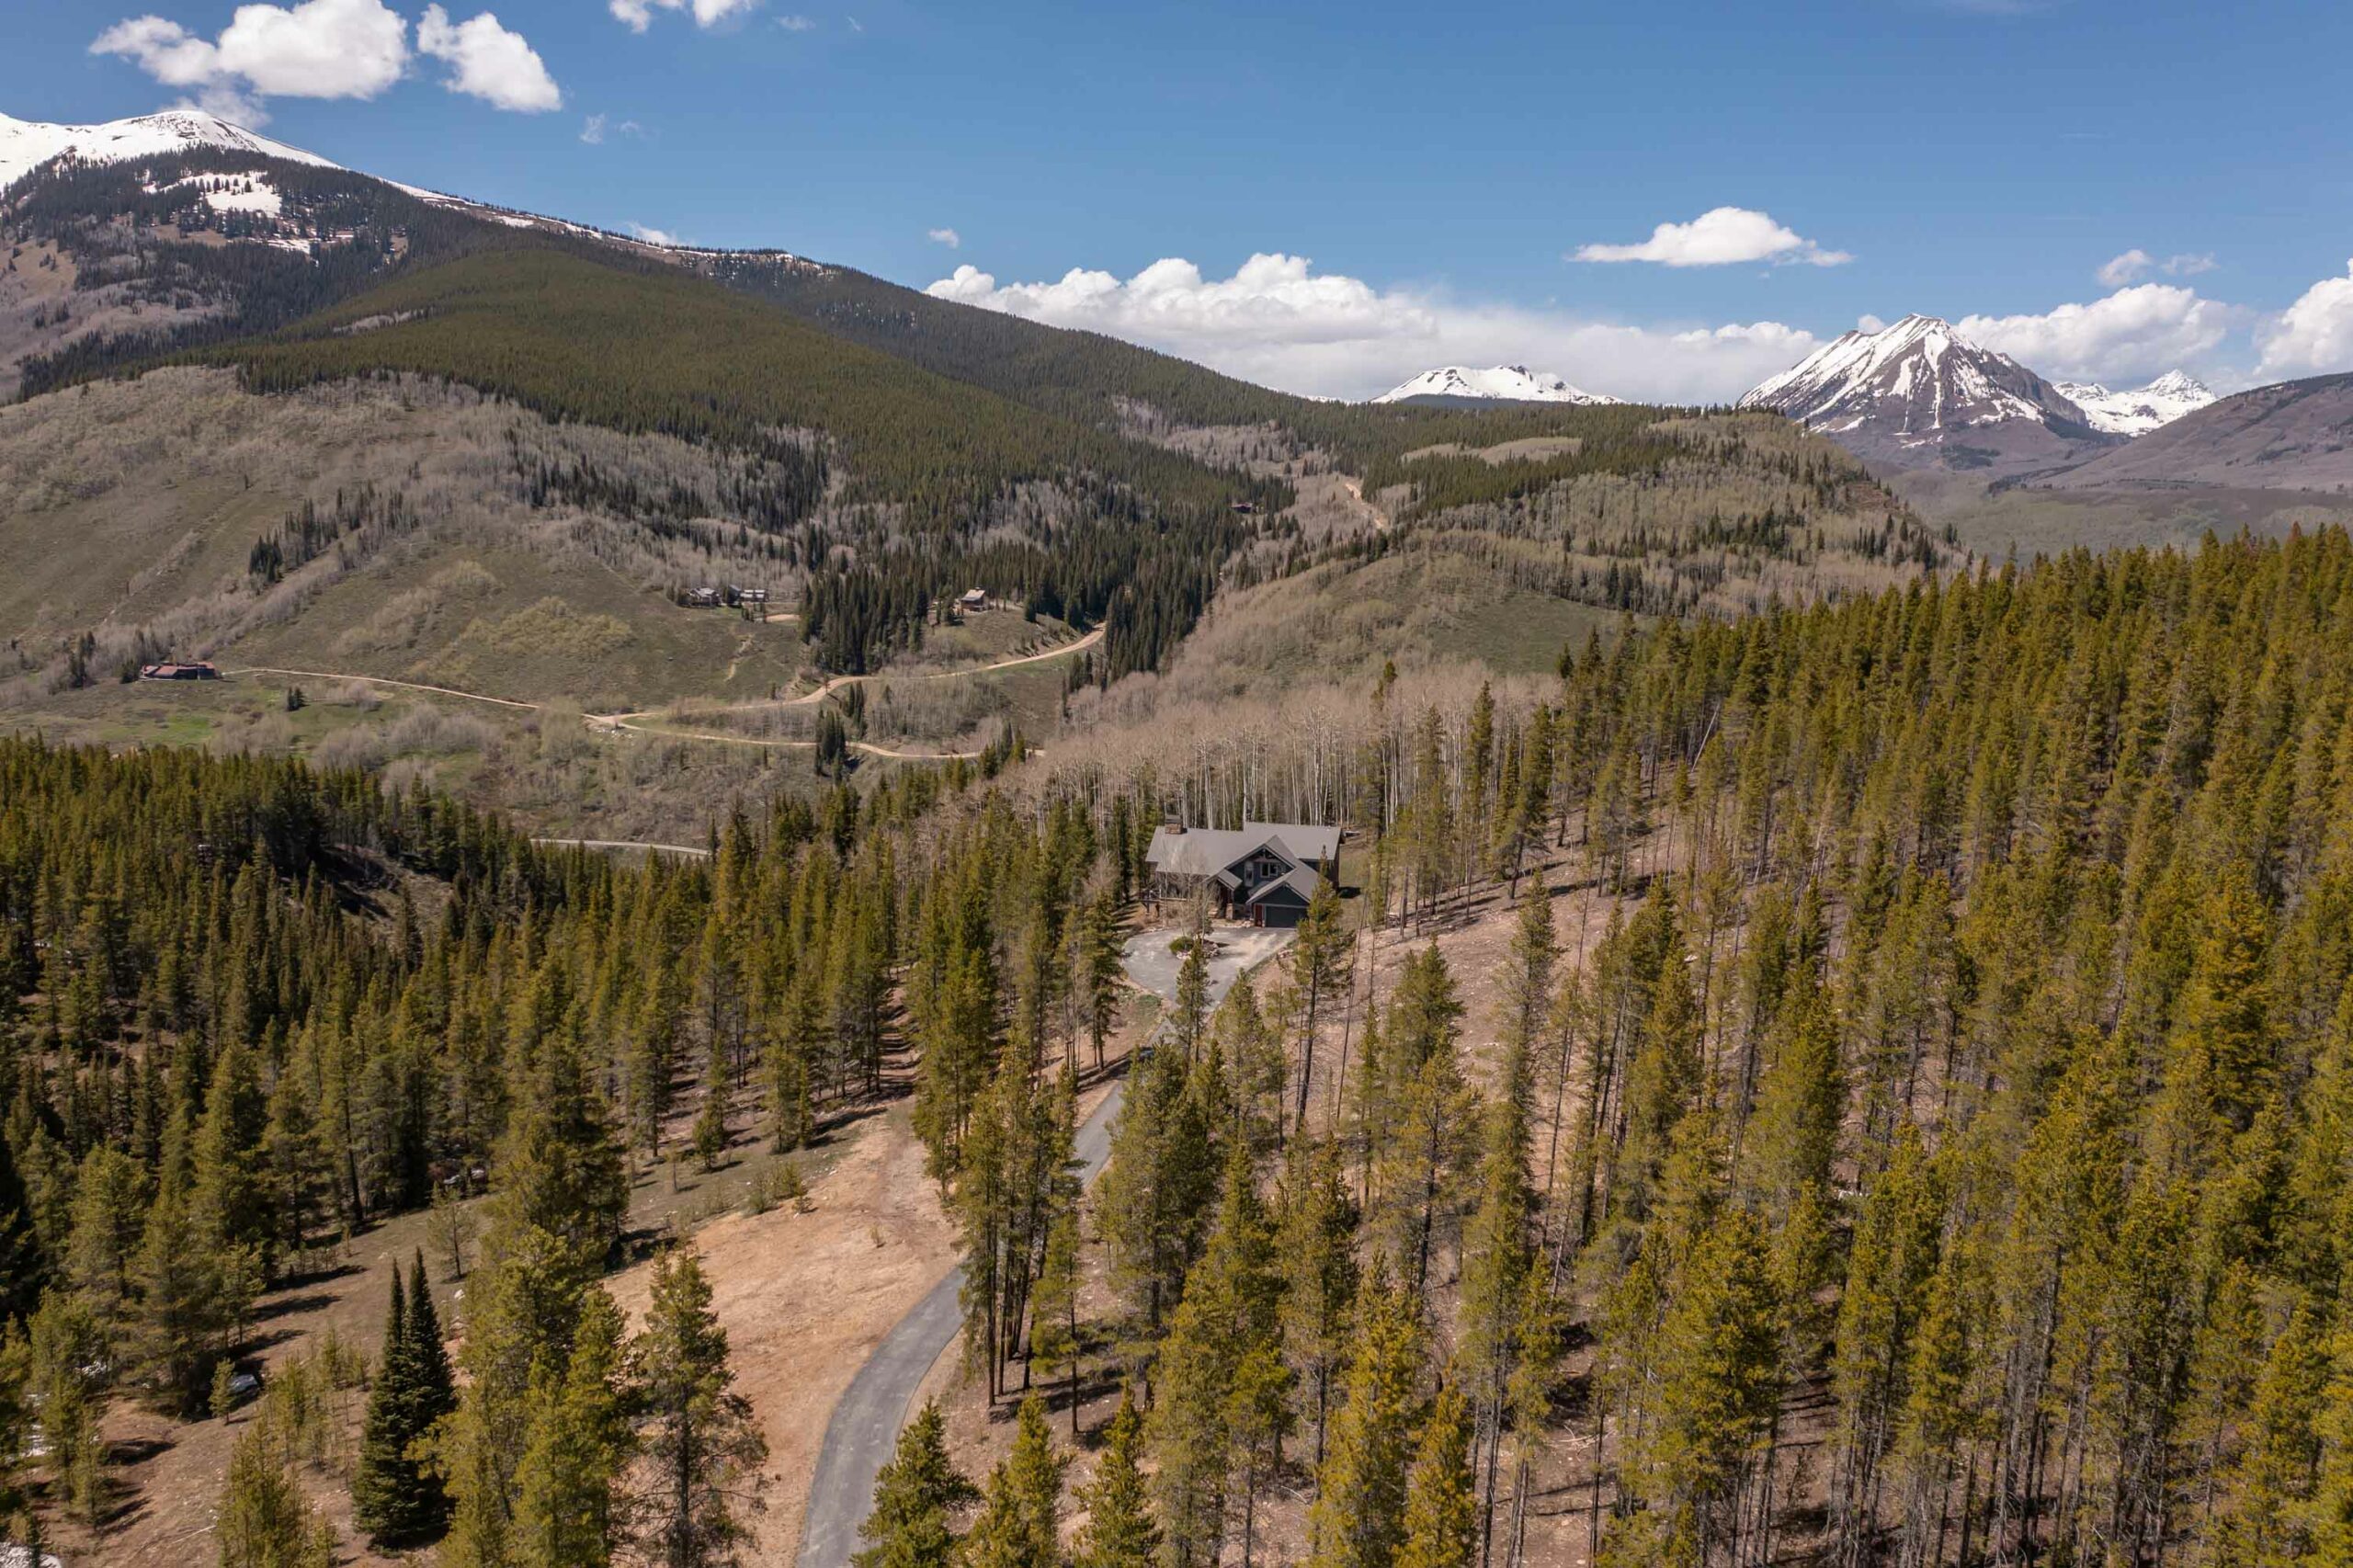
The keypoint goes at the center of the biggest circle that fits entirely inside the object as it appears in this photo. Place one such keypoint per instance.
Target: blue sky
(1427, 174)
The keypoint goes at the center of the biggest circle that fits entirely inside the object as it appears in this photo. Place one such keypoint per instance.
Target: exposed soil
(805, 1296)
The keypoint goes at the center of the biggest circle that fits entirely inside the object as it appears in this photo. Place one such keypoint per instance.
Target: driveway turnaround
(1233, 949)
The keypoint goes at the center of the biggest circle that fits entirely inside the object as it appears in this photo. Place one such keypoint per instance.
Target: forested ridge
(1942, 1152)
(248, 1011)
(928, 483)
(214, 275)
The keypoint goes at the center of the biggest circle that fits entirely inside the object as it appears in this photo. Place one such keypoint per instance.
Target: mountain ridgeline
(889, 449)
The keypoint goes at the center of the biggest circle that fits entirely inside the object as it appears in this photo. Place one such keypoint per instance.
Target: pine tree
(1498, 1256)
(791, 1047)
(1053, 1304)
(1322, 961)
(230, 1205)
(1314, 1247)
(1227, 1313)
(1102, 968)
(23, 1269)
(1119, 1531)
(1188, 1014)
(2268, 1515)
(570, 1509)
(109, 1202)
(264, 1520)
(387, 1488)
(1441, 1525)
(1718, 1356)
(914, 1497)
(1358, 1516)
(434, 1387)
(1162, 1176)
(2331, 1510)
(704, 1449)
(1018, 1526)
(1432, 1127)
(710, 1136)
(525, 1307)
(181, 1319)
(558, 1169)
(1257, 1418)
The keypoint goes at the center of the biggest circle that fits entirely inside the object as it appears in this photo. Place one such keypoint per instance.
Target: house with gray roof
(1264, 873)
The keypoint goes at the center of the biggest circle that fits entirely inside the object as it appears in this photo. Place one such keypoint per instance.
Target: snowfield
(1502, 383)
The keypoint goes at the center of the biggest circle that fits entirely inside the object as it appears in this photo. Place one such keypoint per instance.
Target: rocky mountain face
(1460, 384)
(1917, 394)
(2142, 409)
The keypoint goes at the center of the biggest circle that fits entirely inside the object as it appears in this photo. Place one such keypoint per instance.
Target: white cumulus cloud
(320, 48)
(2145, 330)
(797, 23)
(490, 62)
(1279, 321)
(2314, 336)
(947, 237)
(638, 14)
(1719, 237)
(654, 236)
(328, 49)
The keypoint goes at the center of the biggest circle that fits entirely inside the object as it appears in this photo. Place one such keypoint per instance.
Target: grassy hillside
(2028, 521)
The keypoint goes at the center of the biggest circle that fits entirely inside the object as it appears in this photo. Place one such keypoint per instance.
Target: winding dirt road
(633, 721)
(384, 680)
(839, 683)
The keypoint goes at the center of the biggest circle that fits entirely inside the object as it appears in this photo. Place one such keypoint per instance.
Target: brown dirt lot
(806, 1296)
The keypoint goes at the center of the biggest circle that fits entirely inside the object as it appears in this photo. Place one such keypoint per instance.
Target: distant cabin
(196, 670)
(702, 599)
(975, 600)
(1264, 874)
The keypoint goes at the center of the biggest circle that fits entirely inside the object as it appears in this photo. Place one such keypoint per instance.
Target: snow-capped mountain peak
(26, 144)
(1918, 391)
(2137, 413)
(1500, 383)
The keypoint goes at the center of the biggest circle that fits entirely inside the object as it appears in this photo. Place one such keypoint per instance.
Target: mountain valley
(636, 878)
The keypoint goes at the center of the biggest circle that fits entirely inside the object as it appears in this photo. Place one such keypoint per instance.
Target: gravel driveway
(1233, 949)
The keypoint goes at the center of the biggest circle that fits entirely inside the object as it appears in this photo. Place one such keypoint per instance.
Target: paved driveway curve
(865, 1426)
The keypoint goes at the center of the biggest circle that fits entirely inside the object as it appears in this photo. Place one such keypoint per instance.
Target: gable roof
(1214, 851)
(1299, 881)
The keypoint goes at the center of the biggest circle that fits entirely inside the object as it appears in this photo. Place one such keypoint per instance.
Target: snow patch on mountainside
(1501, 383)
(26, 144)
(2139, 412)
